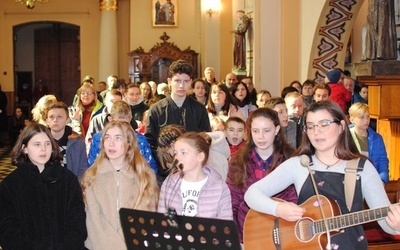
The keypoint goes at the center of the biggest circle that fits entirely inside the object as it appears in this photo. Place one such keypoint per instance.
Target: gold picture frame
(164, 13)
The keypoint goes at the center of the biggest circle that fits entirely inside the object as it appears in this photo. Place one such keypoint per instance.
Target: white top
(292, 172)
(190, 196)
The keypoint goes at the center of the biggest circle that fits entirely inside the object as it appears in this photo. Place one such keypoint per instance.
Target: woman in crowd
(199, 87)
(241, 99)
(329, 146)
(147, 94)
(219, 102)
(85, 109)
(262, 152)
(17, 124)
(134, 99)
(41, 203)
(120, 177)
(262, 97)
(297, 85)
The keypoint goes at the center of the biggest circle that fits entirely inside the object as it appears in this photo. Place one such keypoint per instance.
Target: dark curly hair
(180, 67)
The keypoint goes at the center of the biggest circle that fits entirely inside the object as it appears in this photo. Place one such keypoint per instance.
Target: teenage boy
(178, 108)
(288, 127)
(295, 106)
(72, 146)
(367, 140)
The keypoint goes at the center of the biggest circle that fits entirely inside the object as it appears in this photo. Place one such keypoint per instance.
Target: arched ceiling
(331, 36)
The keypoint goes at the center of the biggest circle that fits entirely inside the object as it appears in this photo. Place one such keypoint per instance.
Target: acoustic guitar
(263, 231)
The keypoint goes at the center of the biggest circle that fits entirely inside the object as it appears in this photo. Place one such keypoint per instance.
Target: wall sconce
(211, 6)
(210, 12)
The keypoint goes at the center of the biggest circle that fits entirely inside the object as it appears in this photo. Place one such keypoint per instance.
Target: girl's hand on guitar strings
(393, 218)
(289, 211)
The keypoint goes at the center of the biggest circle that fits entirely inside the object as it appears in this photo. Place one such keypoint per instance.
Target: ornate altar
(153, 65)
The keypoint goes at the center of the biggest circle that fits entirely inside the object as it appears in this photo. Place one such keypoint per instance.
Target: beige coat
(110, 191)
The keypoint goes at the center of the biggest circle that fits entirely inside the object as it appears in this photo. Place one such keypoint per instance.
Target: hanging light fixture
(30, 4)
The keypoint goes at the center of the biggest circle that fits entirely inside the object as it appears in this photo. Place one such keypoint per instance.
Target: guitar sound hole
(303, 230)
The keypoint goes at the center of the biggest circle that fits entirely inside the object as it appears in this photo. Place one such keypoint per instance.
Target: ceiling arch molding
(331, 36)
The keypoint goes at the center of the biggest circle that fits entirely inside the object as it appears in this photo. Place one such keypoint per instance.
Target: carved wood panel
(143, 65)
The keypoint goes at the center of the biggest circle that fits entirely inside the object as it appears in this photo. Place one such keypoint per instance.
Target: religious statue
(157, 6)
(239, 49)
(381, 38)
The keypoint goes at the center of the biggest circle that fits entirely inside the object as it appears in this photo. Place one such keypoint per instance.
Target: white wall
(309, 16)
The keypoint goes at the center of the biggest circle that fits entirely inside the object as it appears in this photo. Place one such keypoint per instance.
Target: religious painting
(164, 13)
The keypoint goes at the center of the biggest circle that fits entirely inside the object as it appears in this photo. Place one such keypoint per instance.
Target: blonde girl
(120, 177)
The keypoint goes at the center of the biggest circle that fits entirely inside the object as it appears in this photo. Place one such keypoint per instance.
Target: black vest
(331, 185)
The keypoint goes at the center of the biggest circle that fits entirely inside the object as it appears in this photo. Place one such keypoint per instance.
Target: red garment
(141, 129)
(85, 122)
(235, 148)
(340, 95)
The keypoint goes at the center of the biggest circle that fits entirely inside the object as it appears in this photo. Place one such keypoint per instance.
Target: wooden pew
(377, 238)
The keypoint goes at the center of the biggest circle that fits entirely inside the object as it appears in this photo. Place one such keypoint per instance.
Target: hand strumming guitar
(393, 218)
(289, 211)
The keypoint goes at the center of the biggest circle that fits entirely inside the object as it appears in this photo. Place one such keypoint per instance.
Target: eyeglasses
(322, 126)
(87, 93)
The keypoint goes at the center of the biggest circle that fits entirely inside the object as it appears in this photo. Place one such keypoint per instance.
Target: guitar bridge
(275, 235)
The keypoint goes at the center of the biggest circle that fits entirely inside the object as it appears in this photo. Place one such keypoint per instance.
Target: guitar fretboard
(351, 219)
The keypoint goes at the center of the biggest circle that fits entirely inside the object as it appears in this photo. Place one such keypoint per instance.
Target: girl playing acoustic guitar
(328, 141)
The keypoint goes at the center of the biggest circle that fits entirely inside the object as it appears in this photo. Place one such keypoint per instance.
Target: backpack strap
(350, 177)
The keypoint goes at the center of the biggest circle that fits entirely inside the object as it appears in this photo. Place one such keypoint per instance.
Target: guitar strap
(350, 177)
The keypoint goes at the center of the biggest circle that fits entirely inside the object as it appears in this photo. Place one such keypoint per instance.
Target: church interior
(57, 43)
(287, 41)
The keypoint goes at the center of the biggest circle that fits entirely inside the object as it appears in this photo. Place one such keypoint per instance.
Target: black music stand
(149, 230)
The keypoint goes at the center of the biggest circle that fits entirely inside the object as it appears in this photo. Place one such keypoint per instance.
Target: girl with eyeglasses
(328, 144)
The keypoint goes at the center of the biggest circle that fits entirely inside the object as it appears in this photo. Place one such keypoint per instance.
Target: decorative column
(108, 54)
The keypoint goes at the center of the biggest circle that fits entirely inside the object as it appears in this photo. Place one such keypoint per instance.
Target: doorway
(50, 51)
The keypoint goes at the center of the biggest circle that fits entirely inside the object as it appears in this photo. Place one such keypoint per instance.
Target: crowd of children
(214, 153)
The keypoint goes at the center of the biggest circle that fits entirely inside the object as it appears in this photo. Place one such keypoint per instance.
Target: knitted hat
(334, 75)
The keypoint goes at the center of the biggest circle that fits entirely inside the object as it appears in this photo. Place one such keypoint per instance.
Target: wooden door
(57, 60)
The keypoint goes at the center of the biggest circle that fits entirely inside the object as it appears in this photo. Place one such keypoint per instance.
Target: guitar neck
(351, 219)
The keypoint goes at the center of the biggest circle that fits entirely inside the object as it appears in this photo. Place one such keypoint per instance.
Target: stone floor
(5, 162)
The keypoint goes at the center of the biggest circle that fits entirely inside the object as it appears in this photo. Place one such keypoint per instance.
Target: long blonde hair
(145, 183)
